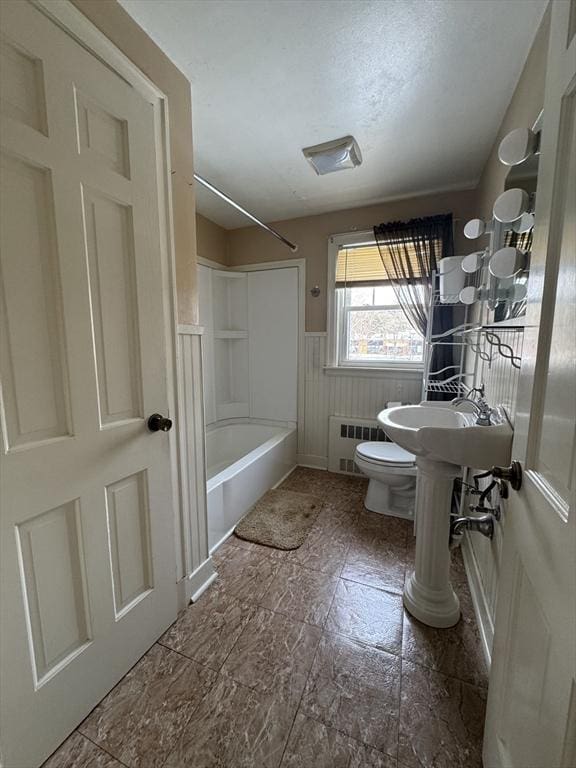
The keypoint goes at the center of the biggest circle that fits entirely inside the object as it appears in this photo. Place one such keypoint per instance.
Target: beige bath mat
(280, 519)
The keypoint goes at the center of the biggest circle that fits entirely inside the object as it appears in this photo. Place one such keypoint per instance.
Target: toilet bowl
(392, 473)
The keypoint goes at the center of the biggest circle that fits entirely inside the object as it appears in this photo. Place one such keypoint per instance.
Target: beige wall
(123, 31)
(525, 106)
(251, 244)
(211, 240)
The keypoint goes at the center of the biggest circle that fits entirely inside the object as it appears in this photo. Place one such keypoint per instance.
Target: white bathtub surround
(197, 568)
(244, 460)
(428, 594)
(254, 340)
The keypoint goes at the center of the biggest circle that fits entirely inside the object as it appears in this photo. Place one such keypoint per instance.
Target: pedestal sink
(444, 440)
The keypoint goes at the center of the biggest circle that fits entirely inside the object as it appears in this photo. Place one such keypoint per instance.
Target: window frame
(337, 335)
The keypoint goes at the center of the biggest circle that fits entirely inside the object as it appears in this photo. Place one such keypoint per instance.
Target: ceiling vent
(334, 155)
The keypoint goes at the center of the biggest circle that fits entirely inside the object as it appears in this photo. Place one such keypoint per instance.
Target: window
(369, 329)
(374, 330)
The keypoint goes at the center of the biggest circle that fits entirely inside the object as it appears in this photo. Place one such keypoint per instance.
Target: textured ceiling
(422, 85)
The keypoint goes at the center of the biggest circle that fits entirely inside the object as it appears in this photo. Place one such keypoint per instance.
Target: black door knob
(159, 423)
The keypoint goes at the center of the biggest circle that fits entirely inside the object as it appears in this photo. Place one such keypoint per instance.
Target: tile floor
(302, 659)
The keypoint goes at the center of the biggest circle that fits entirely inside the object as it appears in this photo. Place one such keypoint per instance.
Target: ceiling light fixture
(334, 155)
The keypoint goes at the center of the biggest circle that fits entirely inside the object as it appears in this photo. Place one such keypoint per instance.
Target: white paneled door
(531, 718)
(88, 566)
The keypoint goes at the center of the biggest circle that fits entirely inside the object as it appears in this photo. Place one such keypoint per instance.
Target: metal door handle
(159, 423)
(512, 474)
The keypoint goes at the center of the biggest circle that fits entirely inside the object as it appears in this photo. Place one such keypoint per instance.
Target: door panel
(527, 671)
(110, 249)
(556, 445)
(530, 716)
(86, 520)
(55, 587)
(22, 87)
(102, 135)
(128, 518)
(33, 353)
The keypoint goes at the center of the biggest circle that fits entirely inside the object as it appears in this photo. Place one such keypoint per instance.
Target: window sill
(390, 372)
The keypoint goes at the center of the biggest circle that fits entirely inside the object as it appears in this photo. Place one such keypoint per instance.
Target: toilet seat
(385, 454)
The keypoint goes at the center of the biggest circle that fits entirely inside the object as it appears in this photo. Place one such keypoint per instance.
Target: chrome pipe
(483, 524)
(238, 207)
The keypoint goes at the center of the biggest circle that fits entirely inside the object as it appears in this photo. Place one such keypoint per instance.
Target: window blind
(362, 265)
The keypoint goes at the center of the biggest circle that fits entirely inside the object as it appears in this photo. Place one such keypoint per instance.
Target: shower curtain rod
(238, 207)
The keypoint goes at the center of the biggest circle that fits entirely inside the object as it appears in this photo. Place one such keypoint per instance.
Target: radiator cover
(344, 434)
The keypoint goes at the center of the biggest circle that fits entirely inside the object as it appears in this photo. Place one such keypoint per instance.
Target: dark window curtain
(410, 252)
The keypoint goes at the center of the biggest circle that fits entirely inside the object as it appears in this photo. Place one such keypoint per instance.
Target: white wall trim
(211, 263)
(258, 265)
(479, 601)
(201, 579)
(375, 373)
(315, 334)
(194, 543)
(78, 26)
(285, 476)
(314, 462)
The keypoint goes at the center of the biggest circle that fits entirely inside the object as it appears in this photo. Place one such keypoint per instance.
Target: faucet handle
(480, 390)
(485, 412)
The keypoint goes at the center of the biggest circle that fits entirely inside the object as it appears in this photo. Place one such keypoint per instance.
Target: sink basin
(442, 433)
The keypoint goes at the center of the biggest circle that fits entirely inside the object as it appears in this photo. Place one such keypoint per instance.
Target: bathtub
(243, 461)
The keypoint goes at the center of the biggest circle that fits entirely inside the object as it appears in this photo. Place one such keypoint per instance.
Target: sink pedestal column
(428, 594)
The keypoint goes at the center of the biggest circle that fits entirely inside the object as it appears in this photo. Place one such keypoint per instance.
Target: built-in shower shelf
(231, 352)
(224, 334)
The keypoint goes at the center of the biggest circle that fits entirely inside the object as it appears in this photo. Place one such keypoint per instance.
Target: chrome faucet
(485, 413)
(483, 410)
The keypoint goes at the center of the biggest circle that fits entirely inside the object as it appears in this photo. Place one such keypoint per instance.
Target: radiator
(344, 434)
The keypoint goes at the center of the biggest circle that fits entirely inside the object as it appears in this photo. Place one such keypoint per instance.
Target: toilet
(392, 473)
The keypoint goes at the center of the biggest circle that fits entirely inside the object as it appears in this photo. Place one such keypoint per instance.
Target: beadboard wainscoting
(481, 555)
(196, 571)
(344, 393)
